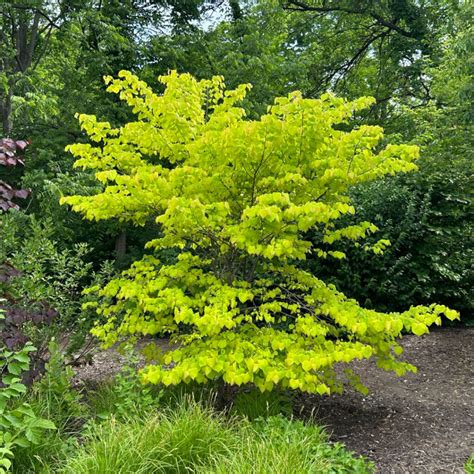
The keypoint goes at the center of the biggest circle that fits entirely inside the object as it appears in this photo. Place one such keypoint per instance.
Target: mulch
(417, 423)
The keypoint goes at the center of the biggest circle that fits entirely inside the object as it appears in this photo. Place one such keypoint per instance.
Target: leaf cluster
(19, 424)
(19, 323)
(9, 157)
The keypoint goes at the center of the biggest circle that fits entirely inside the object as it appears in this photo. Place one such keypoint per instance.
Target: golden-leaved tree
(235, 200)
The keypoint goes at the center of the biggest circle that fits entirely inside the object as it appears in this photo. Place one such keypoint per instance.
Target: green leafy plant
(54, 398)
(125, 395)
(42, 282)
(235, 199)
(19, 424)
(426, 218)
(45, 270)
(132, 396)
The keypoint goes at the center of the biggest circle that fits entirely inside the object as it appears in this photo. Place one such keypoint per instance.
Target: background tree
(25, 31)
(427, 216)
(94, 38)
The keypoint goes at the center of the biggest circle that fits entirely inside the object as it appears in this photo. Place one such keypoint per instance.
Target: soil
(418, 423)
(105, 364)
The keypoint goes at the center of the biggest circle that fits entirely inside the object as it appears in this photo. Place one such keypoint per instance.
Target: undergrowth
(193, 438)
(125, 427)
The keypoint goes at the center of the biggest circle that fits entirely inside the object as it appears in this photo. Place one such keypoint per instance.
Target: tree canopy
(235, 199)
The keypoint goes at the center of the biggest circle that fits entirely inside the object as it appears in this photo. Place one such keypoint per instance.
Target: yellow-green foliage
(235, 199)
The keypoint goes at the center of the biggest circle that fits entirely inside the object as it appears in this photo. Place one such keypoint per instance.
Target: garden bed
(417, 423)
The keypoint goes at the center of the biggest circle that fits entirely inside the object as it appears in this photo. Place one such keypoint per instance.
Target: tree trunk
(6, 112)
(121, 245)
(236, 10)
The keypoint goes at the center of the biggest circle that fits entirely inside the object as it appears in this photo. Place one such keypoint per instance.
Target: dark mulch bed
(419, 423)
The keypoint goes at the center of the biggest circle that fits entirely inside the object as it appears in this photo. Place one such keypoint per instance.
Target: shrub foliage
(9, 150)
(19, 424)
(235, 199)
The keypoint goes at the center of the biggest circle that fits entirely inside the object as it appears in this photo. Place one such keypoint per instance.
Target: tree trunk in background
(20, 29)
(121, 245)
(236, 10)
(6, 112)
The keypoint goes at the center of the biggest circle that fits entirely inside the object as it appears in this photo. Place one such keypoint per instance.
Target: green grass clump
(171, 441)
(469, 466)
(192, 438)
(279, 445)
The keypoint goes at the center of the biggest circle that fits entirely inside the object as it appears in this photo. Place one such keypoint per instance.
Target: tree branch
(344, 68)
(36, 11)
(298, 5)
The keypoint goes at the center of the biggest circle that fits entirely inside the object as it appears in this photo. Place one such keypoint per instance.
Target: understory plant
(252, 404)
(41, 281)
(53, 397)
(20, 426)
(45, 270)
(125, 396)
(235, 199)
